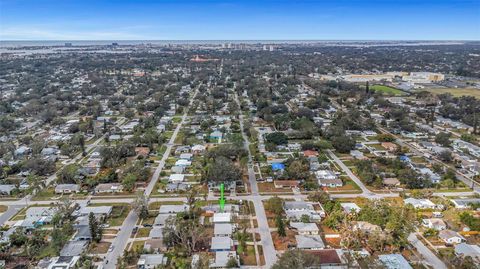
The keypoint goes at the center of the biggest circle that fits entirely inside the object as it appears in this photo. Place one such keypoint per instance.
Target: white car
(111, 248)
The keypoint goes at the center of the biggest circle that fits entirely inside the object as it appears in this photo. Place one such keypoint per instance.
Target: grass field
(456, 92)
(387, 90)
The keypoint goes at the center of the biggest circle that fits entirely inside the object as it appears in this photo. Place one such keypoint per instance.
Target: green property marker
(222, 198)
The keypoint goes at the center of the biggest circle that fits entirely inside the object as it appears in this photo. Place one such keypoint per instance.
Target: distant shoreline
(21, 43)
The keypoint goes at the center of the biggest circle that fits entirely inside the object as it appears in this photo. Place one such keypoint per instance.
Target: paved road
(428, 255)
(467, 181)
(269, 251)
(365, 190)
(123, 235)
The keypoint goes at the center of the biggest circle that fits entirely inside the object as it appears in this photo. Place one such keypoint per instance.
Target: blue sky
(239, 20)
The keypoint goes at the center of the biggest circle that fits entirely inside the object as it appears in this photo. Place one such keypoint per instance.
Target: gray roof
(97, 210)
(394, 261)
(297, 205)
(73, 248)
(7, 188)
(152, 259)
(161, 219)
(468, 250)
(70, 187)
(169, 209)
(221, 242)
(156, 232)
(83, 232)
(223, 228)
(309, 242)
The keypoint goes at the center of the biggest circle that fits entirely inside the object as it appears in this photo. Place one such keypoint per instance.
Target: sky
(240, 20)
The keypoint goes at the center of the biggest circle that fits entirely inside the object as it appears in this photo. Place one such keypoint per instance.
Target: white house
(434, 223)
(451, 237)
(420, 203)
(305, 228)
(176, 178)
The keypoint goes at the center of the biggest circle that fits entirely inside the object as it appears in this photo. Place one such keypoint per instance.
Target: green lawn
(387, 90)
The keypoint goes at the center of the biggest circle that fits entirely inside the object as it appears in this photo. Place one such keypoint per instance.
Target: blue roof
(404, 158)
(278, 166)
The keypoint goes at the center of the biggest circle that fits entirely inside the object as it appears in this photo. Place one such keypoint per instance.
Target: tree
(274, 205)
(445, 155)
(223, 169)
(96, 230)
(280, 226)
(298, 170)
(128, 182)
(140, 205)
(277, 138)
(185, 232)
(232, 263)
(443, 139)
(319, 196)
(343, 144)
(385, 138)
(68, 175)
(297, 259)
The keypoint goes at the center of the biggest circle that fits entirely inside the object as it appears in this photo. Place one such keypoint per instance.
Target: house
(66, 188)
(22, 151)
(156, 233)
(295, 210)
(73, 248)
(297, 206)
(96, 210)
(350, 207)
(420, 203)
(312, 242)
(464, 250)
(177, 169)
(357, 154)
(173, 187)
(6, 189)
(391, 182)
(217, 136)
(215, 208)
(366, 227)
(223, 229)
(161, 219)
(451, 237)
(198, 149)
(83, 233)
(429, 174)
(172, 209)
(389, 146)
(63, 262)
(142, 151)
(280, 184)
(49, 151)
(109, 188)
(329, 258)
(331, 183)
(460, 145)
(221, 243)
(305, 228)
(186, 156)
(183, 163)
(176, 178)
(222, 258)
(465, 203)
(151, 261)
(222, 217)
(310, 153)
(434, 223)
(394, 261)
